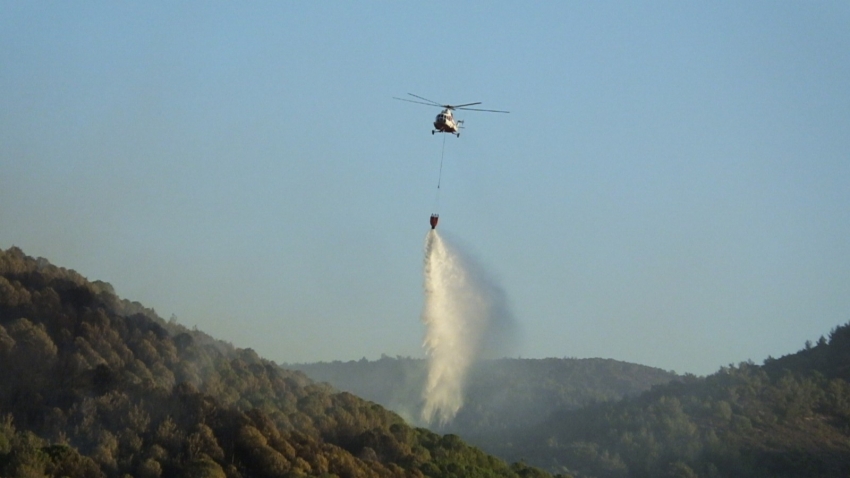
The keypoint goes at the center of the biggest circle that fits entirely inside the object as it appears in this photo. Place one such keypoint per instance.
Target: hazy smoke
(465, 314)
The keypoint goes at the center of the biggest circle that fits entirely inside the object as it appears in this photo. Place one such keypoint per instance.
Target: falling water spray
(464, 312)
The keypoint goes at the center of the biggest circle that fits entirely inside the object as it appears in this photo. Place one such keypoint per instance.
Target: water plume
(465, 313)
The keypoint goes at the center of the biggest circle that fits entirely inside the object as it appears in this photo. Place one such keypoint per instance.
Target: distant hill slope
(787, 418)
(95, 386)
(500, 395)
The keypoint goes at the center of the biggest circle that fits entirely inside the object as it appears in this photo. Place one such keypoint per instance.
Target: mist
(467, 317)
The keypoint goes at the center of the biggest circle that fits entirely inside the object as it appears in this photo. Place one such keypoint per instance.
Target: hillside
(503, 394)
(95, 386)
(787, 418)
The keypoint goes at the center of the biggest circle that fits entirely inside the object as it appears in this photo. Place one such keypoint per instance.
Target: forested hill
(95, 386)
(787, 418)
(500, 395)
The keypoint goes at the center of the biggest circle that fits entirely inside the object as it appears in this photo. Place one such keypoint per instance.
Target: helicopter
(445, 122)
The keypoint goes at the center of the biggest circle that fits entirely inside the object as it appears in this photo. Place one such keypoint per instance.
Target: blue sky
(670, 187)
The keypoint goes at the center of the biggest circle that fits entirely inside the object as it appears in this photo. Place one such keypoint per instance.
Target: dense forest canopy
(787, 418)
(502, 394)
(95, 386)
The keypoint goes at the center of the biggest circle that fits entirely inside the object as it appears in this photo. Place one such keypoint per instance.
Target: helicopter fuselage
(445, 123)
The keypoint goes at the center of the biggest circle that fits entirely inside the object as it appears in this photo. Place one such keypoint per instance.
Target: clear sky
(671, 187)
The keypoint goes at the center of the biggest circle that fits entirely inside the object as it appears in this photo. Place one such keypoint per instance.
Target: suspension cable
(440, 175)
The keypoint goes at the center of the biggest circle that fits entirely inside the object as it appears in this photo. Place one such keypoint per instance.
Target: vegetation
(95, 386)
(787, 418)
(501, 395)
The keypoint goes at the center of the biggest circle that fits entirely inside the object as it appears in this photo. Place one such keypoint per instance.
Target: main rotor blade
(450, 107)
(468, 104)
(426, 99)
(478, 109)
(417, 102)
